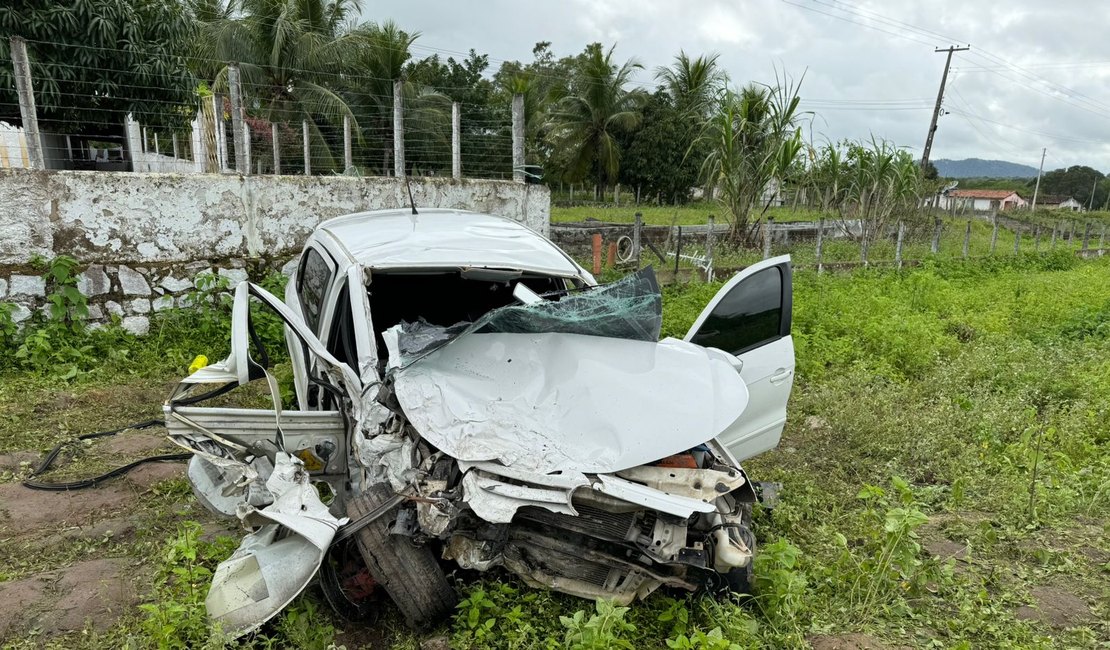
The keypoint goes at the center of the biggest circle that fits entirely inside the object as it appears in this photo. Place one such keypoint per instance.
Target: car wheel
(410, 574)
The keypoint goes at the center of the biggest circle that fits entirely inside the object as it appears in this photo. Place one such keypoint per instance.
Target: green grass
(924, 400)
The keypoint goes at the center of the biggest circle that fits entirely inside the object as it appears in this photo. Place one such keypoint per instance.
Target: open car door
(262, 465)
(749, 318)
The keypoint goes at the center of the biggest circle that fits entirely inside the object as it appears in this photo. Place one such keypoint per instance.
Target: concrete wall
(145, 237)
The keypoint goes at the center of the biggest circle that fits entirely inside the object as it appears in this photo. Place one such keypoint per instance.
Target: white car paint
(438, 238)
(768, 373)
(556, 402)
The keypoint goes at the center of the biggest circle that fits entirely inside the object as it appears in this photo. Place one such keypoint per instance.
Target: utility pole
(940, 98)
(1037, 187)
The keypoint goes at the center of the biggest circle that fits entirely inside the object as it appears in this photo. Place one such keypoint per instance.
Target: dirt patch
(1096, 556)
(1055, 607)
(107, 529)
(145, 476)
(23, 510)
(19, 598)
(97, 592)
(945, 549)
(14, 461)
(92, 595)
(853, 641)
(133, 444)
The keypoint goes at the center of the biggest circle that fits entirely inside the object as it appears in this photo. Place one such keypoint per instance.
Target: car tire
(410, 574)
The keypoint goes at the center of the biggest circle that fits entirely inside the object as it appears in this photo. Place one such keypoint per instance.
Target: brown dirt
(85, 595)
(852, 641)
(13, 462)
(19, 597)
(134, 444)
(145, 476)
(944, 549)
(23, 511)
(1055, 607)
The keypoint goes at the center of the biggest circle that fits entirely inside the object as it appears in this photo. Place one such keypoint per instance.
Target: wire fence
(250, 120)
(683, 252)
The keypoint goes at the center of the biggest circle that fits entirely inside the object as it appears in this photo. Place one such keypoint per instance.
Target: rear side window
(747, 317)
(312, 283)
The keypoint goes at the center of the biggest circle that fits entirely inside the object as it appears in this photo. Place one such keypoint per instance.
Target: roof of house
(982, 194)
(438, 238)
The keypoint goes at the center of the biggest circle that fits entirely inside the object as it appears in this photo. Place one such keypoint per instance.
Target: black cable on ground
(89, 482)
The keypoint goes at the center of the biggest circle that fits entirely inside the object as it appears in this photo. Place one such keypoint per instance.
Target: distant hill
(978, 168)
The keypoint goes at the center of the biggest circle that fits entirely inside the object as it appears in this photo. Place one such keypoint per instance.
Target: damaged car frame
(466, 392)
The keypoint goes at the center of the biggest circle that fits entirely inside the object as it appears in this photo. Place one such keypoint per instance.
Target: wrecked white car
(466, 393)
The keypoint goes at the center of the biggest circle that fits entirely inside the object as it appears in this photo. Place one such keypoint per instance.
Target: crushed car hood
(562, 402)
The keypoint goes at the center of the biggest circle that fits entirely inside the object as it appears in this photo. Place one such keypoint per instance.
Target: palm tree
(582, 123)
(292, 56)
(752, 141)
(384, 60)
(694, 84)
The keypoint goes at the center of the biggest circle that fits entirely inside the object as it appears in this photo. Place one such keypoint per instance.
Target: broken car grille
(595, 522)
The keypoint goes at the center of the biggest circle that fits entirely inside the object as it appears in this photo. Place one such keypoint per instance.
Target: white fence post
(242, 165)
(398, 128)
(246, 143)
(27, 111)
(307, 150)
(277, 148)
(348, 161)
(456, 141)
(518, 138)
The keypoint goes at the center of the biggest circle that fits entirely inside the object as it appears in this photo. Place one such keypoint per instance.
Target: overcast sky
(1036, 76)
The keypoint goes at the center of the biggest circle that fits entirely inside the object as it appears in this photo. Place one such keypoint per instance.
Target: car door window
(751, 314)
(313, 280)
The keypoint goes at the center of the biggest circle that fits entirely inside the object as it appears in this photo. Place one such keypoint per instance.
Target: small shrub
(604, 629)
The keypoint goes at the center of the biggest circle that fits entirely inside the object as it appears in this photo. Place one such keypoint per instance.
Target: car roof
(442, 238)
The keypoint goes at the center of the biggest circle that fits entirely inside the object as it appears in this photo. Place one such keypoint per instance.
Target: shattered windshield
(630, 308)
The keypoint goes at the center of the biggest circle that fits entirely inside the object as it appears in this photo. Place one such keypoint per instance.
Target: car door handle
(781, 375)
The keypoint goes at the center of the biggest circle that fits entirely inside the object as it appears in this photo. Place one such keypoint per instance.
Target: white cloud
(1000, 112)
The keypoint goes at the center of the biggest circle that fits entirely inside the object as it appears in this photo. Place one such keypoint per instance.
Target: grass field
(945, 470)
(917, 244)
